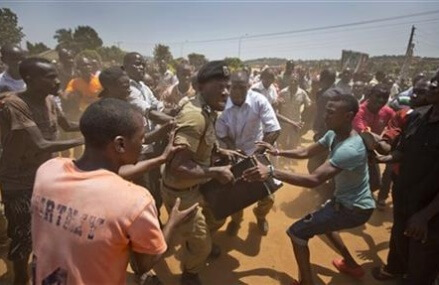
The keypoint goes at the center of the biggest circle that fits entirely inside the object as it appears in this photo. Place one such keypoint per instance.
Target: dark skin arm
(394, 157)
(417, 226)
(182, 166)
(145, 262)
(282, 118)
(228, 142)
(298, 153)
(44, 145)
(66, 125)
(270, 138)
(160, 133)
(322, 174)
(159, 117)
(133, 171)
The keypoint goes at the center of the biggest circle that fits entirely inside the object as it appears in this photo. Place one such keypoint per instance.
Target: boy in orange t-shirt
(85, 218)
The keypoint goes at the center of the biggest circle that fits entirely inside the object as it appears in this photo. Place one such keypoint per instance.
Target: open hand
(417, 227)
(172, 149)
(176, 217)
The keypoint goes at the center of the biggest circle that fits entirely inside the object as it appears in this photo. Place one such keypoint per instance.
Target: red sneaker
(356, 272)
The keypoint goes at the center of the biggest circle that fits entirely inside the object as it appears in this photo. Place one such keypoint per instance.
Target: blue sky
(138, 25)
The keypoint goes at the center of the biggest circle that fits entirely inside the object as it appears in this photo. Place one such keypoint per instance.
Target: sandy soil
(252, 259)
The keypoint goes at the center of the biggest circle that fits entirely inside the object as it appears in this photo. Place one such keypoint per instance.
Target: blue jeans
(331, 217)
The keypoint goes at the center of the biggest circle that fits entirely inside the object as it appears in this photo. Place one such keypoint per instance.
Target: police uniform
(196, 130)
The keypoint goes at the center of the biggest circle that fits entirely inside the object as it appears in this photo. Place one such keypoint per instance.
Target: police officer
(192, 166)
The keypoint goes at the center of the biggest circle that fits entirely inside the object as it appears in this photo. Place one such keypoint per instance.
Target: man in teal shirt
(352, 204)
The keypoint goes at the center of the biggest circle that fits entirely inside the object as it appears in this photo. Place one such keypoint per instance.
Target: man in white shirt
(266, 87)
(345, 81)
(143, 99)
(248, 117)
(292, 99)
(10, 79)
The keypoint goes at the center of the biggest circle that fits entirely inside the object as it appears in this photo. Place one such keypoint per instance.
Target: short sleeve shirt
(21, 158)
(270, 93)
(196, 130)
(293, 102)
(84, 224)
(88, 91)
(352, 183)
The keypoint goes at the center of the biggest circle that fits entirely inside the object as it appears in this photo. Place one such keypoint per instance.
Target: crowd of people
(92, 155)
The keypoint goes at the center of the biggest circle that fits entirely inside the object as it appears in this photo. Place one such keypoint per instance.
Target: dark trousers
(420, 261)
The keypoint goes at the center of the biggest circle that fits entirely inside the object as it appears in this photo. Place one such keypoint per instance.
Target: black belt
(181, 190)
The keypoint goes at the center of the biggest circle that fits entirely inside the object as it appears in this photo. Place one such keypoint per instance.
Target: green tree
(10, 32)
(87, 38)
(162, 52)
(36, 48)
(234, 63)
(109, 54)
(197, 59)
(64, 37)
(83, 37)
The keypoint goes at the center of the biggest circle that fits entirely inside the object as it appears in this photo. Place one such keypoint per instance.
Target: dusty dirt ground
(252, 259)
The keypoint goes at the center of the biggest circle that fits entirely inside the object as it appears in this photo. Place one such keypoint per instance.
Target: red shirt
(375, 122)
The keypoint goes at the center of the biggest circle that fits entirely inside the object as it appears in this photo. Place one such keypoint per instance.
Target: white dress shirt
(143, 98)
(247, 123)
(270, 93)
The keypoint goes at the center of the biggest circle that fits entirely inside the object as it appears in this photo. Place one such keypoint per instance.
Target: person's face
(163, 67)
(46, 82)
(216, 92)
(121, 88)
(336, 116)
(66, 57)
(346, 76)
(294, 85)
(238, 92)
(358, 90)
(184, 75)
(420, 91)
(135, 67)
(129, 147)
(267, 80)
(95, 65)
(377, 101)
(85, 68)
(12, 59)
(433, 92)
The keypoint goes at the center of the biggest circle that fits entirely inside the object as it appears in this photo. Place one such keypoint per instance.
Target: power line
(322, 28)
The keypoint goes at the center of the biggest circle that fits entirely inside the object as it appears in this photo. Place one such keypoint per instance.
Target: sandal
(356, 272)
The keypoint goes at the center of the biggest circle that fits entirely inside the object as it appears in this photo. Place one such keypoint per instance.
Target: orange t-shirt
(88, 91)
(84, 224)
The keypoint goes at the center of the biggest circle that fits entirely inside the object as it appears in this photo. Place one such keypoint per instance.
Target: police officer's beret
(213, 69)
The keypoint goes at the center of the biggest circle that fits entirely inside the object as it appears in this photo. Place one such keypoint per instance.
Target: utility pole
(408, 56)
(239, 44)
(118, 43)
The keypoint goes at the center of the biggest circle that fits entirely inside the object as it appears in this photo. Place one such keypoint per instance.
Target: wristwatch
(271, 170)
